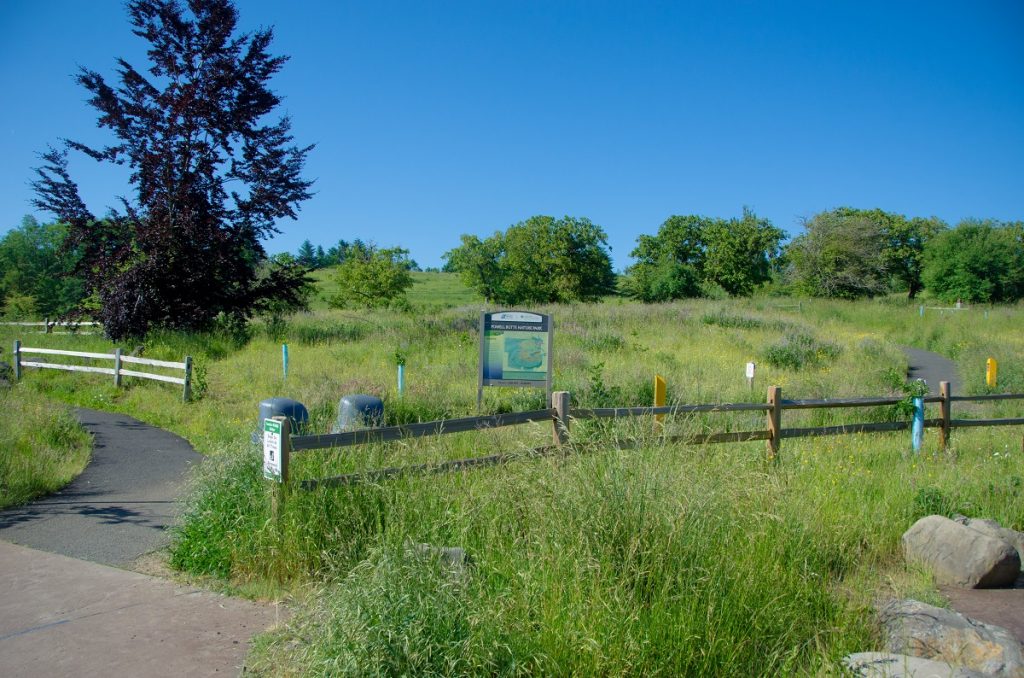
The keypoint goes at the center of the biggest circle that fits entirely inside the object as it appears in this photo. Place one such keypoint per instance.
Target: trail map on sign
(515, 349)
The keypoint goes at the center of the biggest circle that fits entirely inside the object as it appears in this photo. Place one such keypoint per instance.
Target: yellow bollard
(659, 401)
(991, 371)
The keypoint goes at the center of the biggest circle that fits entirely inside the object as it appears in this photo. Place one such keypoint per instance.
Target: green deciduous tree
(903, 241)
(980, 261)
(35, 271)
(840, 255)
(691, 253)
(540, 260)
(372, 278)
(739, 253)
(868, 247)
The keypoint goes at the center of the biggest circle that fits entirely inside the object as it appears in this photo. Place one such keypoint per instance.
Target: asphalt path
(933, 368)
(1002, 607)
(121, 505)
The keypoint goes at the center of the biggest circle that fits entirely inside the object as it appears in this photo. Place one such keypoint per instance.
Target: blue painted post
(284, 360)
(920, 310)
(401, 379)
(917, 430)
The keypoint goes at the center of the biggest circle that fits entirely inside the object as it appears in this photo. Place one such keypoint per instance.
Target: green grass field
(660, 559)
(429, 290)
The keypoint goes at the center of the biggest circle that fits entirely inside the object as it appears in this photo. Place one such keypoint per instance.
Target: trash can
(358, 411)
(282, 407)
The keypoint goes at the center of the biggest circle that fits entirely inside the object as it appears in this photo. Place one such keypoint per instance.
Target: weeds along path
(119, 508)
(66, 617)
(933, 368)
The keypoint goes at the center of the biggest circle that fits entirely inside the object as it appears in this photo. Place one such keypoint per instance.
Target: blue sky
(434, 119)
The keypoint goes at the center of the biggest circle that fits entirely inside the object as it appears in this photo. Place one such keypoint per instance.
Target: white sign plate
(272, 449)
(750, 370)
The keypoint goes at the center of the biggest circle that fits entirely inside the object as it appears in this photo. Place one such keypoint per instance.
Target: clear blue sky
(433, 119)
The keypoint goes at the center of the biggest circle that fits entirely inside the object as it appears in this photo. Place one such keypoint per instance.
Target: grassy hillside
(429, 290)
(657, 559)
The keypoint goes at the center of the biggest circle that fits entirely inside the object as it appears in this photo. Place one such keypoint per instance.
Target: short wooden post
(560, 402)
(774, 422)
(47, 327)
(117, 368)
(660, 392)
(186, 393)
(944, 410)
(17, 359)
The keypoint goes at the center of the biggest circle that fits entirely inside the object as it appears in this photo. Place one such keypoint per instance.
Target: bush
(799, 350)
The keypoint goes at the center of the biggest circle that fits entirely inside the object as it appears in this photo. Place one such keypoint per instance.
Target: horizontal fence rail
(561, 415)
(430, 428)
(117, 371)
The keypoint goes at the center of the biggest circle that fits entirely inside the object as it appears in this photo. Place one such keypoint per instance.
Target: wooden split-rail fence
(117, 371)
(562, 414)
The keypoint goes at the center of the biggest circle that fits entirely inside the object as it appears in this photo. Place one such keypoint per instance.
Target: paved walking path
(120, 506)
(1002, 607)
(933, 368)
(61, 616)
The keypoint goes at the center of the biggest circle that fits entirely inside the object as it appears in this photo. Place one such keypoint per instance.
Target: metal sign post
(515, 350)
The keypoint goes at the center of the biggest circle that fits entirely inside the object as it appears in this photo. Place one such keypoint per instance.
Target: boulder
(993, 529)
(886, 665)
(915, 628)
(960, 556)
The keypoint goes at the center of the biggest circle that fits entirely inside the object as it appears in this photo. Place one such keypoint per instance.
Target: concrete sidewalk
(65, 617)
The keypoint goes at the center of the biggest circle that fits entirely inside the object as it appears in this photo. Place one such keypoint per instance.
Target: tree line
(844, 253)
(212, 173)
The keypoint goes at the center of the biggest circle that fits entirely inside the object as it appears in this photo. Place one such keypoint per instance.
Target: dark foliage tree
(210, 176)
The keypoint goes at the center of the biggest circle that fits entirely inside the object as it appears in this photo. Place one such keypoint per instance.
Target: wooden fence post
(186, 393)
(660, 389)
(17, 359)
(774, 422)
(560, 401)
(944, 409)
(117, 368)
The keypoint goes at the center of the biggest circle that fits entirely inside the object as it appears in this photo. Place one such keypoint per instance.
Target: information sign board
(515, 350)
(272, 444)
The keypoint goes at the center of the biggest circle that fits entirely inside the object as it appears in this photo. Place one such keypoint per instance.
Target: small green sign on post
(275, 449)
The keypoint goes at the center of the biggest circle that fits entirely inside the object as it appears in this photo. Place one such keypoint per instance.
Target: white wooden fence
(117, 371)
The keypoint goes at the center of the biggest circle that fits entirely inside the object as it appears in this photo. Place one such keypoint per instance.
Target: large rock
(886, 665)
(993, 529)
(960, 556)
(914, 628)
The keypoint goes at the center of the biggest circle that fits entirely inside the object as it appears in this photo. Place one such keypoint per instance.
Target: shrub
(799, 350)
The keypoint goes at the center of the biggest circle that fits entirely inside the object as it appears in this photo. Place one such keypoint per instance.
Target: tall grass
(660, 559)
(42, 447)
(663, 560)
